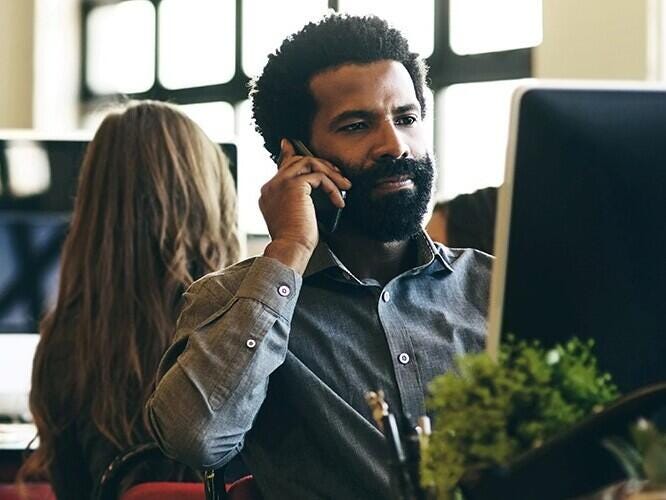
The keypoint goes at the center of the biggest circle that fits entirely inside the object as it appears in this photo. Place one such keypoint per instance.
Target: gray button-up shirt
(276, 366)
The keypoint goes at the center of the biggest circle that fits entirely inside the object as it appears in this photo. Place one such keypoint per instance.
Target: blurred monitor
(38, 180)
(580, 232)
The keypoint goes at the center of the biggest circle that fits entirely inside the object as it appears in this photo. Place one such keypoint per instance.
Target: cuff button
(251, 343)
(284, 290)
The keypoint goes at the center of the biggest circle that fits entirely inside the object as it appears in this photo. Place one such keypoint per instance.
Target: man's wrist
(292, 254)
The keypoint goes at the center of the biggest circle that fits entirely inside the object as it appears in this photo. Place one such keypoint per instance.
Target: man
(273, 356)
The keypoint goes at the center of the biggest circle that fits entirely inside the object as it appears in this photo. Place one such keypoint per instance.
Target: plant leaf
(626, 454)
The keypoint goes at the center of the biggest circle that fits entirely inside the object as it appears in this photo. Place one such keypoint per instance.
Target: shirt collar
(428, 251)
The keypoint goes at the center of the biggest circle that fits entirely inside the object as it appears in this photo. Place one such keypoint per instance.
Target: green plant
(487, 412)
(643, 456)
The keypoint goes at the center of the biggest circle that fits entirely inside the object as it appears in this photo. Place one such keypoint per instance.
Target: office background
(63, 61)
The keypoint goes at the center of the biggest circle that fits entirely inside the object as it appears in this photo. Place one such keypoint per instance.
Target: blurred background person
(155, 209)
(466, 221)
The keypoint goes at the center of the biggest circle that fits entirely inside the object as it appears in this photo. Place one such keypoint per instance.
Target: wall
(16, 63)
(57, 63)
(599, 39)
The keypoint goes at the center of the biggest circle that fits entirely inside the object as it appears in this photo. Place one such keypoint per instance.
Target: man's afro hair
(282, 104)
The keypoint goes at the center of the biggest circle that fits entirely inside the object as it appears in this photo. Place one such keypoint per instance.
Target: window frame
(446, 67)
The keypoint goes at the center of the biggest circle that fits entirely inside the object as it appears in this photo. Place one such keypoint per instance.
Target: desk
(14, 440)
(17, 436)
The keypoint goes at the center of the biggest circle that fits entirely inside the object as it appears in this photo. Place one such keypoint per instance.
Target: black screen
(33, 225)
(587, 235)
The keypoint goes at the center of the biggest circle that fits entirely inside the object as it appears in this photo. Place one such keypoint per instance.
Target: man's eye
(406, 120)
(353, 127)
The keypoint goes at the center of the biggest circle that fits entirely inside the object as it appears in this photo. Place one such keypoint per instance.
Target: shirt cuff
(273, 284)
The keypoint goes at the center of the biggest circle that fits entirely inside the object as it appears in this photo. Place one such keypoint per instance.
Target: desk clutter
(614, 449)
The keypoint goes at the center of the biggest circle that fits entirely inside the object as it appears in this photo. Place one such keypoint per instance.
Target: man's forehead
(360, 86)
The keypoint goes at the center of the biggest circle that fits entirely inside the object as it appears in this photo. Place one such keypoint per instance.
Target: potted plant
(492, 418)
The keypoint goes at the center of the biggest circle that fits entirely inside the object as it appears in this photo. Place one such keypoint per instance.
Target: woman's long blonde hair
(155, 209)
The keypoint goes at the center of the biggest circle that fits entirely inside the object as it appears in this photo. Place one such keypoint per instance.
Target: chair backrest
(213, 487)
(244, 488)
(33, 491)
(165, 491)
(109, 485)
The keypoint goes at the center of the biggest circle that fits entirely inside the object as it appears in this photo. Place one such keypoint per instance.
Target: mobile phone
(328, 215)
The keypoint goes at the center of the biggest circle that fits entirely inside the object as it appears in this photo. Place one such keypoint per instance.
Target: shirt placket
(403, 356)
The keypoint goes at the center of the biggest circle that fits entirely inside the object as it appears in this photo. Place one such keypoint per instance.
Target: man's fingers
(306, 165)
(321, 181)
(287, 152)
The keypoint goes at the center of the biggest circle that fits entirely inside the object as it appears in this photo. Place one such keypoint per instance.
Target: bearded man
(273, 356)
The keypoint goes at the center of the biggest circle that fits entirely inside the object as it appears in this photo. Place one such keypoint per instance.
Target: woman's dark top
(82, 453)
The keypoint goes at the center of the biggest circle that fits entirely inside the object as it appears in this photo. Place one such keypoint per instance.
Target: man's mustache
(386, 168)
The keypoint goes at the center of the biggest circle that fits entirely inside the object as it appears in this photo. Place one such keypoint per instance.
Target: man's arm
(232, 334)
(234, 328)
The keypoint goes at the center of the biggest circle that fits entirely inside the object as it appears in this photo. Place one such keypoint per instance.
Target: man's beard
(394, 216)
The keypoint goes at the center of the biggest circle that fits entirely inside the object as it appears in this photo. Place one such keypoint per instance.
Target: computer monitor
(581, 230)
(38, 181)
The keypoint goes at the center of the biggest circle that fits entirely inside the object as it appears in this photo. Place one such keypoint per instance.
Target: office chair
(34, 491)
(244, 488)
(108, 487)
(212, 488)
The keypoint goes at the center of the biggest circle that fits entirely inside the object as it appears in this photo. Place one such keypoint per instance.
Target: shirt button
(386, 296)
(284, 290)
(251, 343)
(403, 358)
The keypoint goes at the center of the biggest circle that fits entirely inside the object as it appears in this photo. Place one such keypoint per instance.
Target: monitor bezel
(505, 194)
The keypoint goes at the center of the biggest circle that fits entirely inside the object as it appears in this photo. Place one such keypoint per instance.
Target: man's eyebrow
(407, 108)
(361, 114)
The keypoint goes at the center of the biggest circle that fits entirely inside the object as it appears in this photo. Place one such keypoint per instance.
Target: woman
(155, 210)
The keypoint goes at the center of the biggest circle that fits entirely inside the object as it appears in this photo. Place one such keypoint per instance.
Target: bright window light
(480, 26)
(16, 356)
(197, 42)
(29, 171)
(255, 168)
(215, 118)
(266, 23)
(120, 54)
(429, 120)
(416, 20)
(472, 127)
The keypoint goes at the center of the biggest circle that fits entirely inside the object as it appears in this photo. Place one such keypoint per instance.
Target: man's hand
(287, 207)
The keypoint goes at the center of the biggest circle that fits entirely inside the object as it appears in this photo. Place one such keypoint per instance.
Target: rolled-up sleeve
(232, 334)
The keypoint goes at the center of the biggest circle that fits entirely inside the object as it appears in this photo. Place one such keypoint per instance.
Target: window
(202, 53)
(196, 42)
(215, 118)
(473, 126)
(268, 22)
(479, 26)
(416, 21)
(120, 44)
(257, 168)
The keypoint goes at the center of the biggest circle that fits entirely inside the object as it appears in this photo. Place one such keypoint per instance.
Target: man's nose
(390, 143)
